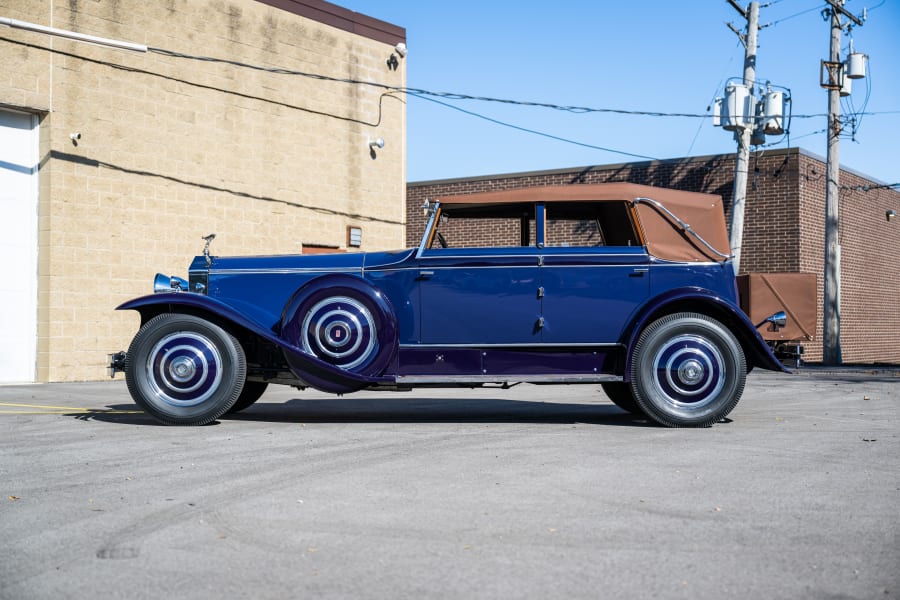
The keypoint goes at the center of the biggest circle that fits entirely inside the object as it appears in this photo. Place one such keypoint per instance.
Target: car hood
(348, 261)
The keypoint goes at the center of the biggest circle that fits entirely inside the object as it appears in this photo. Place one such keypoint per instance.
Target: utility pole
(742, 135)
(831, 338)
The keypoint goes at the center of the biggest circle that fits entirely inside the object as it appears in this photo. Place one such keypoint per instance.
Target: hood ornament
(208, 238)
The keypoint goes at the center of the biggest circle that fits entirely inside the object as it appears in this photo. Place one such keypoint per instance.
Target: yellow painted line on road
(42, 409)
(42, 406)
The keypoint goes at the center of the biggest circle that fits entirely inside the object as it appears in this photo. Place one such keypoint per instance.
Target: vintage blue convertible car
(626, 286)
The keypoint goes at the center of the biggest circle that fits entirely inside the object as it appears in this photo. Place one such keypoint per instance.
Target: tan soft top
(664, 237)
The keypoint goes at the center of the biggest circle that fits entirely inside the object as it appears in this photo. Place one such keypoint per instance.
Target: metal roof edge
(342, 18)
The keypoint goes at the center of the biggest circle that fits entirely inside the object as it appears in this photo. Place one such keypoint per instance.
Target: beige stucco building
(115, 163)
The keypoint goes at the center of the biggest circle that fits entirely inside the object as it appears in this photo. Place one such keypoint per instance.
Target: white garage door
(18, 246)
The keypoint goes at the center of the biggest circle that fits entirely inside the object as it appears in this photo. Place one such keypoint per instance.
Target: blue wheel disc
(341, 331)
(184, 369)
(689, 371)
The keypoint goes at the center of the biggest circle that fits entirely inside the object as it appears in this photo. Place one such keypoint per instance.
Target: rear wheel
(687, 370)
(184, 370)
(620, 394)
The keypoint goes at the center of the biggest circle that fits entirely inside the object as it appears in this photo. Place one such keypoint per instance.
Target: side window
(589, 224)
(485, 228)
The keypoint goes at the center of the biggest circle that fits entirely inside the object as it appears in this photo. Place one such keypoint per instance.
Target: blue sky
(646, 55)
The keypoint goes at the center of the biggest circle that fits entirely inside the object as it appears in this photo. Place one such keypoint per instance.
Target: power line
(459, 96)
(870, 188)
(713, 99)
(527, 130)
(423, 92)
(438, 97)
(435, 94)
(803, 12)
(816, 132)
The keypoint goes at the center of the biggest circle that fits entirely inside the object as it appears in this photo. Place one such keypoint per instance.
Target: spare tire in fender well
(343, 320)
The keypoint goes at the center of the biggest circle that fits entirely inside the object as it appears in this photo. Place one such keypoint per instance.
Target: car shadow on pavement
(400, 410)
(436, 410)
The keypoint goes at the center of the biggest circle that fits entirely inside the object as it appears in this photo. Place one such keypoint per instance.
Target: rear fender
(759, 354)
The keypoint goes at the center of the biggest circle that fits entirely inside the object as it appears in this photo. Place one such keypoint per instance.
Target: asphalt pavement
(531, 492)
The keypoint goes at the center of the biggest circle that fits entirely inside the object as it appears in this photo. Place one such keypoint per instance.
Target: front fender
(154, 304)
(315, 372)
(693, 299)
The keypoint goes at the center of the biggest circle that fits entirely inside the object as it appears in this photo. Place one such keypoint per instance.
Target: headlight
(167, 283)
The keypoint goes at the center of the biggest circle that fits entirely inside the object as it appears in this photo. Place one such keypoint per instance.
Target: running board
(505, 379)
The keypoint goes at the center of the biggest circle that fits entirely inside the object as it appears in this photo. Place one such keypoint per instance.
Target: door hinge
(540, 292)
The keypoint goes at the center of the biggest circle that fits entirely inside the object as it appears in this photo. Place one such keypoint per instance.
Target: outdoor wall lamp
(891, 215)
(377, 143)
(399, 51)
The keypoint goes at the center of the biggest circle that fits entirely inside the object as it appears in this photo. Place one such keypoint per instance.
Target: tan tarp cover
(764, 294)
(663, 237)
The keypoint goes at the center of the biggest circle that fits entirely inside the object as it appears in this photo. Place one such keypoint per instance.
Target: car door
(479, 296)
(594, 273)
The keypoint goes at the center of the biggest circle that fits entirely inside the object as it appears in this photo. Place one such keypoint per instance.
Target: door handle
(425, 275)
(639, 272)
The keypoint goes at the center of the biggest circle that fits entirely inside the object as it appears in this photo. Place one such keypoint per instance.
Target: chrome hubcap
(341, 331)
(184, 369)
(690, 371)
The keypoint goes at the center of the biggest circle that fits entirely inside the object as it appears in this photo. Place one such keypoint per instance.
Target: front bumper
(116, 363)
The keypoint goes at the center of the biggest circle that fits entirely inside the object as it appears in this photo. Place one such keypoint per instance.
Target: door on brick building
(18, 246)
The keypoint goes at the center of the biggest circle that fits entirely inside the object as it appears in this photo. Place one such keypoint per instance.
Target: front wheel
(253, 391)
(687, 370)
(184, 370)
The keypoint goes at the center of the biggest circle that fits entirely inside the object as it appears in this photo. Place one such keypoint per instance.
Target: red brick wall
(870, 261)
(783, 230)
(473, 233)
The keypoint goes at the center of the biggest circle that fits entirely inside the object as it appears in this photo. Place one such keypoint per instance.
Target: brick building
(784, 229)
(114, 164)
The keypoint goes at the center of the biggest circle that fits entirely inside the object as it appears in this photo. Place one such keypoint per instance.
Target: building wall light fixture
(373, 144)
(393, 61)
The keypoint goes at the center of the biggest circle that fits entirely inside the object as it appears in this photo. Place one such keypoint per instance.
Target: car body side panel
(473, 297)
(507, 363)
(518, 362)
(591, 293)
(400, 286)
(718, 278)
